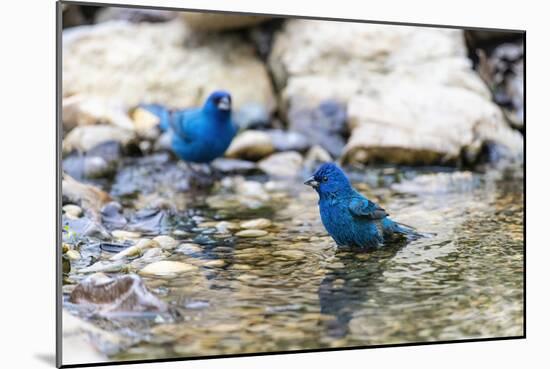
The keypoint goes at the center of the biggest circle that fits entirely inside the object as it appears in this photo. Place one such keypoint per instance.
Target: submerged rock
(251, 233)
(124, 235)
(167, 268)
(250, 145)
(166, 242)
(243, 193)
(188, 249)
(104, 267)
(439, 183)
(110, 295)
(135, 250)
(85, 342)
(259, 223)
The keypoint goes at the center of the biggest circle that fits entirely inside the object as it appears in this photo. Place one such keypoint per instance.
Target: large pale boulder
(125, 64)
(410, 92)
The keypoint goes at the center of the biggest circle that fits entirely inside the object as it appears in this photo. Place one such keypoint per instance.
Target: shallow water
(292, 289)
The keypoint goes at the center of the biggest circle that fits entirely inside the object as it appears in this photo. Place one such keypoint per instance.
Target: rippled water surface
(291, 289)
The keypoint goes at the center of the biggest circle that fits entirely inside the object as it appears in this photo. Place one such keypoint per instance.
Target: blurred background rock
(360, 93)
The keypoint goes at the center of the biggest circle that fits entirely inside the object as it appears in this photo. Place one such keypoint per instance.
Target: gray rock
(148, 221)
(110, 151)
(323, 125)
(234, 166)
(288, 140)
(83, 227)
(99, 162)
(112, 217)
(151, 174)
(80, 167)
(252, 116)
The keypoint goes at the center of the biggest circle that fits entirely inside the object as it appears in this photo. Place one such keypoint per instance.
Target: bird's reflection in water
(346, 286)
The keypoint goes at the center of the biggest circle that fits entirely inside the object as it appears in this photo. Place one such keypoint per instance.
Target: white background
(27, 203)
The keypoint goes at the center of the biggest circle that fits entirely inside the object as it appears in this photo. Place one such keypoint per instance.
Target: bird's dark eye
(325, 178)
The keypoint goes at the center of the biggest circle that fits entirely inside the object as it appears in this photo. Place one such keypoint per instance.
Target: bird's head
(218, 102)
(329, 178)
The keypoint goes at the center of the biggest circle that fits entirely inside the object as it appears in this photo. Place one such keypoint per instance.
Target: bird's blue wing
(181, 123)
(361, 207)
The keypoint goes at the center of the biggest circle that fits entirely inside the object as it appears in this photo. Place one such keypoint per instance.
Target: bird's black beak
(311, 182)
(224, 103)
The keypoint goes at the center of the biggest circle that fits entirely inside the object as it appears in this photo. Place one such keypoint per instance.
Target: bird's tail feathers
(161, 112)
(411, 232)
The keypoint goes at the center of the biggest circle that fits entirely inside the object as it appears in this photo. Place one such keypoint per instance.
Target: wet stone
(115, 295)
(149, 221)
(166, 268)
(224, 227)
(104, 266)
(121, 234)
(179, 233)
(251, 233)
(197, 305)
(188, 249)
(166, 242)
(214, 264)
(259, 223)
(73, 255)
(111, 216)
(84, 227)
(203, 239)
(72, 210)
(153, 253)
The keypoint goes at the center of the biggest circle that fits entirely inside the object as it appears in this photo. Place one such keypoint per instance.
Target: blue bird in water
(350, 218)
(199, 135)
